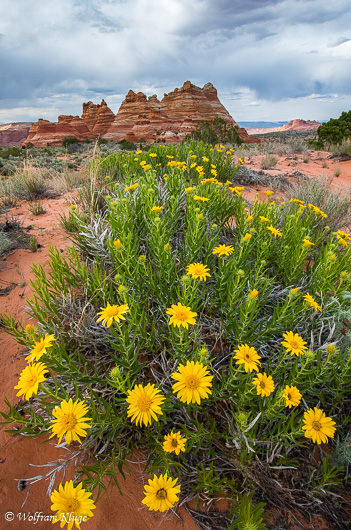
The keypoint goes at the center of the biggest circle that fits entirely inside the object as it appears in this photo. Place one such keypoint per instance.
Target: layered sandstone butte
(13, 134)
(94, 123)
(139, 117)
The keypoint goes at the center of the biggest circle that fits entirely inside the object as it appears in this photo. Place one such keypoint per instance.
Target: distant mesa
(13, 134)
(300, 125)
(139, 117)
(293, 125)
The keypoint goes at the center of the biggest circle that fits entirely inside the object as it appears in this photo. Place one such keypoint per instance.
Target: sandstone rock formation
(13, 134)
(139, 117)
(293, 125)
(300, 125)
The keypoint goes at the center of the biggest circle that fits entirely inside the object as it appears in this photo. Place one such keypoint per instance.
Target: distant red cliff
(293, 125)
(300, 125)
(13, 134)
(139, 117)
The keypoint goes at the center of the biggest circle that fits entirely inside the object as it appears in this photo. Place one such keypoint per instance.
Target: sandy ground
(114, 512)
(289, 164)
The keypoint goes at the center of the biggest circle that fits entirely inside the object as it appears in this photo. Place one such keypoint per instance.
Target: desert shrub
(269, 162)
(342, 150)
(333, 202)
(297, 146)
(126, 145)
(317, 145)
(101, 141)
(214, 132)
(68, 141)
(335, 131)
(10, 151)
(5, 243)
(7, 195)
(36, 208)
(173, 296)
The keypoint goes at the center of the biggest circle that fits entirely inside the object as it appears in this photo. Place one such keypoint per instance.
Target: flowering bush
(168, 328)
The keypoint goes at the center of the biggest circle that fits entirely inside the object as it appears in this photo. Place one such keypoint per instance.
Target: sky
(270, 60)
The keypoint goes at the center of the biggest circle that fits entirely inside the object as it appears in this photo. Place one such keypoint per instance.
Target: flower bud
(29, 328)
(118, 278)
(331, 348)
(310, 355)
(186, 279)
(203, 355)
(241, 273)
(115, 373)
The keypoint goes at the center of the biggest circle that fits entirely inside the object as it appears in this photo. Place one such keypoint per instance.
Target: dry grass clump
(331, 201)
(269, 162)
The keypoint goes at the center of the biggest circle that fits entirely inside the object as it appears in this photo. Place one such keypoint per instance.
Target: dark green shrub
(128, 146)
(10, 151)
(335, 131)
(101, 141)
(215, 131)
(317, 145)
(69, 140)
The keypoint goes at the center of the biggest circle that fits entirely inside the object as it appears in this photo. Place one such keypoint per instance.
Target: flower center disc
(144, 403)
(247, 356)
(72, 505)
(174, 443)
(161, 494)
(70, 421)
(262, 384)
(289, 396)
(316, 425)
(182, 315)
(294, 344)
(192, 382)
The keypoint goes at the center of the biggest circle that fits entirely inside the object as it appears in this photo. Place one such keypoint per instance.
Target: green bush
(214, 132)
(69, 140)
(126, 145)
(335, 131)
(10, 151)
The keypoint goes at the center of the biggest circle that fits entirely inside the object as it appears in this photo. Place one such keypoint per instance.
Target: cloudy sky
(271, 60)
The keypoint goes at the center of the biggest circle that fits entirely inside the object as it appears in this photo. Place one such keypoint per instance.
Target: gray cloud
(257, 53)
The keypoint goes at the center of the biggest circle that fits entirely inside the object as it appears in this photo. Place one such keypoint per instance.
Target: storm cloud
(269, 59)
